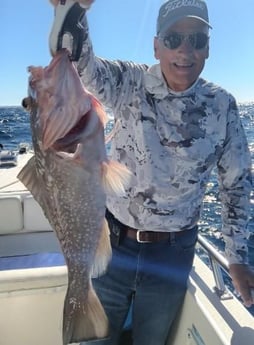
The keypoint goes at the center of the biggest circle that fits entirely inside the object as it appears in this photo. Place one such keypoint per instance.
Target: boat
(7, 158)
(31, 298)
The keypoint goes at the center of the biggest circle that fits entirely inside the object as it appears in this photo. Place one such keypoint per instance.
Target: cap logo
(171, 6)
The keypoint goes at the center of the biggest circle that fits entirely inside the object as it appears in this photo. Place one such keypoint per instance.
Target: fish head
(61, 98)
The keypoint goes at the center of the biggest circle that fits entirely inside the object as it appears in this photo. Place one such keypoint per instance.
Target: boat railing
(219, 264)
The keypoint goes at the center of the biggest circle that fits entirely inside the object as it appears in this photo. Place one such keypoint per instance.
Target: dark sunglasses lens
(198, 40)
(172, 41)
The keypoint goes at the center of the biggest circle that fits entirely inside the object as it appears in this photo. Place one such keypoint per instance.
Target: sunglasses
(197, 40)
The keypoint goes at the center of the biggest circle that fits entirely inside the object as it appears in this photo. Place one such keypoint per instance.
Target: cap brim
(176, 19)
(201, 19)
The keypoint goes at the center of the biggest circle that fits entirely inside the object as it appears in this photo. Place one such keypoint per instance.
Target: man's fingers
(85, 3)
(246, 296)
(247, 293)
(54, 2)
(243, 280)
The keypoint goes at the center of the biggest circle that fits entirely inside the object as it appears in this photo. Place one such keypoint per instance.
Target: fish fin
(97, 106)
(84, 321)
(115, 177)
(103, 252)
(28, 176)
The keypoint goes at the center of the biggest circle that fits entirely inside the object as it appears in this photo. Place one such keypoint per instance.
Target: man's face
(182, 66)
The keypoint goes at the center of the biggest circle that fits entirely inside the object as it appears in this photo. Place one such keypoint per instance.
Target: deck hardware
(194, 337)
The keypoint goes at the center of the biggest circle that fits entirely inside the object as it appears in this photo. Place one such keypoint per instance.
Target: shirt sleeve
(112, 82)
(235, 182)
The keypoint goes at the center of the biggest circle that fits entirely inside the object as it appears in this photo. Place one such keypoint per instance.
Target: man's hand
(67, 30)
(243, 280)
(84, 3)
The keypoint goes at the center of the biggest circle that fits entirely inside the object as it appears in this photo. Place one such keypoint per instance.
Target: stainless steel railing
(218, 264)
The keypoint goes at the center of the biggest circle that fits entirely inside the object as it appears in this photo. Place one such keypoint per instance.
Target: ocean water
(15, 129)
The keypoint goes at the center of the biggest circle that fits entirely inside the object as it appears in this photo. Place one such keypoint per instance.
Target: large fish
(67, 176)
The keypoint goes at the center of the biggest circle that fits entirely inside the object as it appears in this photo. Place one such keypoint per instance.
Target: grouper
(69, 176)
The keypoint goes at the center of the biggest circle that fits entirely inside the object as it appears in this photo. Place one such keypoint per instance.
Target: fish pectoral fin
(84, 320)
(115, 177)
(28, 176)
(103, 252)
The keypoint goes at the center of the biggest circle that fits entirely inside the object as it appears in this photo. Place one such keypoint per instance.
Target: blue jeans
(154, 277)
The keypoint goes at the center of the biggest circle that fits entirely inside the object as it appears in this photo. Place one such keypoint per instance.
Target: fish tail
(84, 320)
(115, 177)
(103, 252)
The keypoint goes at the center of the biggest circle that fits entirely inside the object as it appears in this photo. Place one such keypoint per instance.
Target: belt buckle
(138, 237)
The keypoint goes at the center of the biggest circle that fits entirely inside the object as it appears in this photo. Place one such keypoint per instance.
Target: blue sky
(125, 29)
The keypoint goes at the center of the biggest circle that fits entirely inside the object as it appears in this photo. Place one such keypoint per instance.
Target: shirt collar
(156, 84)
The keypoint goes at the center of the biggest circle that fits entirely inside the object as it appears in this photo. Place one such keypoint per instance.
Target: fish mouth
(57, 118)
(71, 139)
(67, 143)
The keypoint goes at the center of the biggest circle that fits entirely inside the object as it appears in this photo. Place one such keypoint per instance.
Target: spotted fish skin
(68, 176)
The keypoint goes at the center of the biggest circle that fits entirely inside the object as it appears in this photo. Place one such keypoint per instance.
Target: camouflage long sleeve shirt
(171, 141)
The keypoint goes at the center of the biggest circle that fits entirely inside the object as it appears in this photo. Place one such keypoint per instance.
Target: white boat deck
(24, 229)
(8, 175)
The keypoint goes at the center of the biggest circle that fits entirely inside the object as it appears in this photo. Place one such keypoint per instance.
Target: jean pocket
(187, 242)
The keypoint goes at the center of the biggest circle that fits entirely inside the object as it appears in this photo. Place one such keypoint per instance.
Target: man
(173, 129)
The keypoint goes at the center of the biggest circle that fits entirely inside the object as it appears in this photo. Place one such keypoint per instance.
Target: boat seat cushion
(11, 215)
(34, 218)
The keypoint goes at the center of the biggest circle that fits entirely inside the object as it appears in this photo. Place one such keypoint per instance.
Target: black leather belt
(151, 236)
